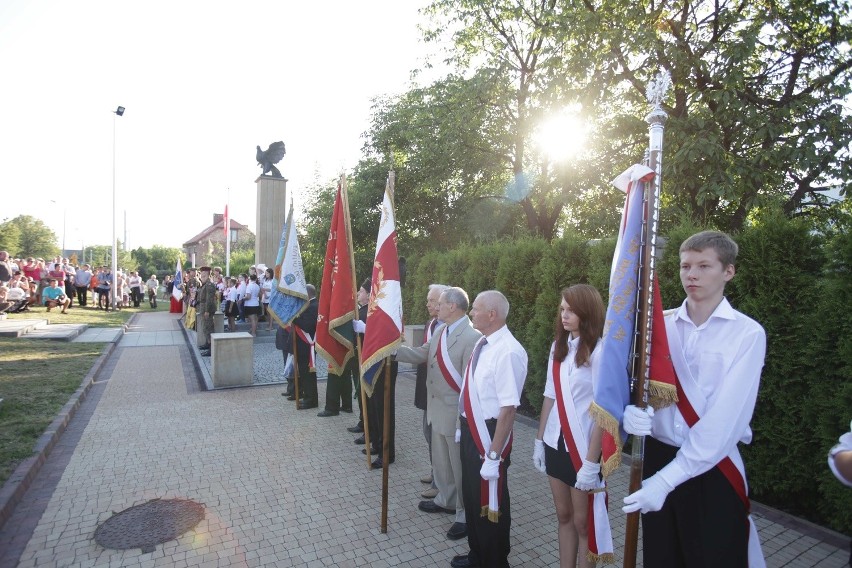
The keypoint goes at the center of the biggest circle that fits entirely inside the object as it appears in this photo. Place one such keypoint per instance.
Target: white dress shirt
(580, 388)
(500, 373)
(725, 355)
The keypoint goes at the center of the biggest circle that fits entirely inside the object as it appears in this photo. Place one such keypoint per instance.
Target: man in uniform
(206, 306)
(446, 355)
(490, 393)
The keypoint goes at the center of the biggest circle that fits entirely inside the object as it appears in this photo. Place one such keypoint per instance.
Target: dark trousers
(703, 522)
(82, 295)
(136, 296)
(376, 411)
(488, 541)
(307, 382)
(338, 392)
(69, 291)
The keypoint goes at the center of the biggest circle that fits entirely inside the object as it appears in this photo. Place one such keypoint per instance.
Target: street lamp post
(114, 266)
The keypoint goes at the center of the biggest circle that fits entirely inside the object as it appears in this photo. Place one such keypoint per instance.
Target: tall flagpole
(228, 236)
(386, 405)
(656, 119)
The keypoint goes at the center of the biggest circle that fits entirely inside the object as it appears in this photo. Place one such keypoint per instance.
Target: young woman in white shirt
(267, 292)
(571, 458)
(251, 303)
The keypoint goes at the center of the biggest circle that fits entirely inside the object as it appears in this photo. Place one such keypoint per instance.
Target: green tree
(759, 112)
(157, 260)
(34, 238)
(10, 237)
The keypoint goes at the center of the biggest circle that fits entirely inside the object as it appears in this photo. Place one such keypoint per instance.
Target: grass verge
(88, 315)
(36, 380)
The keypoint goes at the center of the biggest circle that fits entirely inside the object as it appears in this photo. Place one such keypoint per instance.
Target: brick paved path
(281, 487)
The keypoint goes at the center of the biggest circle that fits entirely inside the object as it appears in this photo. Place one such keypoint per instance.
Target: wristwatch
(493, 455)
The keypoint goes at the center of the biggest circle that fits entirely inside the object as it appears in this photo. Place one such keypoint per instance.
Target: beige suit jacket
(442, 402)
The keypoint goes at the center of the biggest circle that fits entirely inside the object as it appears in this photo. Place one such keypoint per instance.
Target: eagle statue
(272, 156)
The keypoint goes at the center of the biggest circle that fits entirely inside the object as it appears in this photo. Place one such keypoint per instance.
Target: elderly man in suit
(446, 355)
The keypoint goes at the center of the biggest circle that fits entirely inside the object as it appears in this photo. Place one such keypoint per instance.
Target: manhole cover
(149, 524)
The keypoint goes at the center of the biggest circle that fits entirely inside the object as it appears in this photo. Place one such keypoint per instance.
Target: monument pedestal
(271, 215)
(232, 359)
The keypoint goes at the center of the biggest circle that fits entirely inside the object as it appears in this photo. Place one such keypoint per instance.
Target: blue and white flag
(289, 291)
(176, 291)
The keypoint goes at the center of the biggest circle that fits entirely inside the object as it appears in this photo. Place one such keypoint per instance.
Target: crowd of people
(58, 283)
(469, 381)
(470, 376)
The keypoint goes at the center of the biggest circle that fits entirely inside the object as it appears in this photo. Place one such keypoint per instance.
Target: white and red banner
(384, 314)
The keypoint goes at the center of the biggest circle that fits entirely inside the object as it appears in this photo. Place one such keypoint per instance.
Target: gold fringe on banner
(610, 425)
(661, 395)
(606, 558)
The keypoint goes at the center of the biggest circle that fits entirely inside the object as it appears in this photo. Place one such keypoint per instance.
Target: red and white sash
(691, 404)
(306, 337)
(489, 491)
(445, 364)
(600, 534)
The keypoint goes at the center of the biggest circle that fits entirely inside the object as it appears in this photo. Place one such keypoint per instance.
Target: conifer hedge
(793, 280)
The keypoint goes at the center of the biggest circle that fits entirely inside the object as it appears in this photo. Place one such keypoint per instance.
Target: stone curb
(19, 482)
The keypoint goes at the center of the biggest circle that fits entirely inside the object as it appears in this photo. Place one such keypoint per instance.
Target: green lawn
(36, 379)
(90, 315)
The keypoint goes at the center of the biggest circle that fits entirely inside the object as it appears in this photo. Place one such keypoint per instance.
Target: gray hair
(311, 290)
(457, 296)
(439, 287)
(496, 301)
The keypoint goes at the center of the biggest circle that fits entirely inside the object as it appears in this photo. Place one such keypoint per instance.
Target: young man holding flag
(694, 497)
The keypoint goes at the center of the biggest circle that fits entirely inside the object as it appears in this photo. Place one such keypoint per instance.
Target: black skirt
(557, 463)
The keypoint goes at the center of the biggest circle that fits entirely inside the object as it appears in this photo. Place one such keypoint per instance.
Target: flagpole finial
(657, 88)
(656, 92)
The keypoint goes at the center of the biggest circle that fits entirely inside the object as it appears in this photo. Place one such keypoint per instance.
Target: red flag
(226, 223)
(384, 315)
(335, 337)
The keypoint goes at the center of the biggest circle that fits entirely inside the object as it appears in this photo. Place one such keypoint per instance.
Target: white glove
(458, 436)
(358, 326)
(587, 477)
(538, 456)
(490, 469)
(655, 489)
(637, 421)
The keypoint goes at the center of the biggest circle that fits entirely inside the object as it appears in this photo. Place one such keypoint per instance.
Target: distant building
(199, 249)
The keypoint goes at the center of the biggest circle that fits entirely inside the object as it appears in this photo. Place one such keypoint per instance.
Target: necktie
(474, 359)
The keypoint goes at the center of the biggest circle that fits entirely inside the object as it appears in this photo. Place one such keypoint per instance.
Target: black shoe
(358, 429)
(291, 397)
(457, 531)
(372, 452)
(360, 440)
(305, 404)
(327, 413)
(463, 561)
(204, 352)
(349, 410)
(430, 507)
(378, 464)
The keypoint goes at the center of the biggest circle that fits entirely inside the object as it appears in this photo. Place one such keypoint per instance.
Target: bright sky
(203, 84)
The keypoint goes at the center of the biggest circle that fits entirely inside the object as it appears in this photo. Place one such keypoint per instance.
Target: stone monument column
(271, 215)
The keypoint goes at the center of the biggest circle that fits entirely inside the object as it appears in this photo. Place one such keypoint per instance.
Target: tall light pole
(117, 112)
